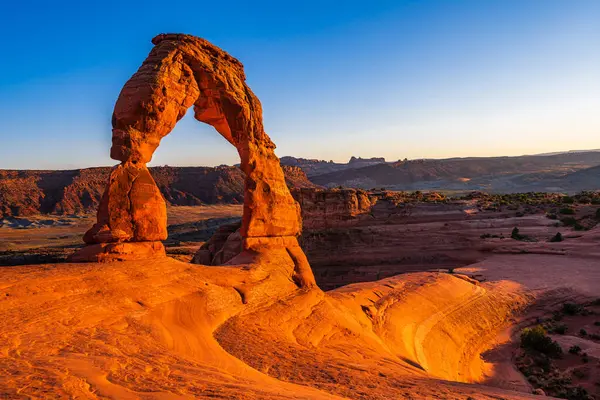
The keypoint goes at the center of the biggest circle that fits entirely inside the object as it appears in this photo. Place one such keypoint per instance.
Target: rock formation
(29, 192)
(182, 71)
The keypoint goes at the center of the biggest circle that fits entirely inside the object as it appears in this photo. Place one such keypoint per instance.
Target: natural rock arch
(181, 71)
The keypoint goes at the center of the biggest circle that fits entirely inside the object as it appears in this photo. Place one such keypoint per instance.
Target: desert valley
(293, 278)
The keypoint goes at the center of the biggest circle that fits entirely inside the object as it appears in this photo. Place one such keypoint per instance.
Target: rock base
(107, 252)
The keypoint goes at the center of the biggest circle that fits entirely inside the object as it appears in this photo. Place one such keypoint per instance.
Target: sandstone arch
(181, 71)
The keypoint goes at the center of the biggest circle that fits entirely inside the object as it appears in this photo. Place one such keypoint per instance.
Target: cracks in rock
(130, 210)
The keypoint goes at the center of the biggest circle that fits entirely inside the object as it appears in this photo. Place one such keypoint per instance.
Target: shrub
(570, 221)
(557, 316)
(567, 211)
(571, 308)
(568, 200)
(516, 235)
(578, 373)
(561, 329)
(598, 214)
(574, 349)
(556, 238)
(576, 393)
(583, 332)
(536, 339)
(489, 235)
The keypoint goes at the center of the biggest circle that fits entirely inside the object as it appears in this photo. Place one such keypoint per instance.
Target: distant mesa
(372, 160)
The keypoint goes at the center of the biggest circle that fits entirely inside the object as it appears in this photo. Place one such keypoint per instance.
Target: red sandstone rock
(182, 71)
(108, 252)
(225, 244)
(324, 208)
(132, 208)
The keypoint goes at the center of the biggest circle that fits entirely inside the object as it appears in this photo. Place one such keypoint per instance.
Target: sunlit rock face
(183, 71)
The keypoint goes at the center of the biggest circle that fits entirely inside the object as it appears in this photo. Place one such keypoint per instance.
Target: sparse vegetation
(557, 238)
(571, 308)
(491, 236)
(536, 339)
(572, 222)
(567, 211)
(579, 373)
(575, 349)
(516, 235)
(568, 200)
(560, 329)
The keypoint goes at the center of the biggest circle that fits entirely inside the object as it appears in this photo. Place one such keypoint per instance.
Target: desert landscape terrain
(293, 278)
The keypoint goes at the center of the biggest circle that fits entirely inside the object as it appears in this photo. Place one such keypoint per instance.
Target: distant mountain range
(562, 172)
(27, 192)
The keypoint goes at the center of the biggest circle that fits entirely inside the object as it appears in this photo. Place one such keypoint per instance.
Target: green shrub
(568, 200)
(567, 211)
(536, 339)
(598, 214)
(583, 332)
(574, 349)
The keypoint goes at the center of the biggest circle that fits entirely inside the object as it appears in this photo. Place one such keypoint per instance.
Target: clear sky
(416, 79)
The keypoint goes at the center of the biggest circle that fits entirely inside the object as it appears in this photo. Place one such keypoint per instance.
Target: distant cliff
(28, 192)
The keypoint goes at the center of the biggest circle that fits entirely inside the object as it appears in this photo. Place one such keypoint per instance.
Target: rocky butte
(127, 322)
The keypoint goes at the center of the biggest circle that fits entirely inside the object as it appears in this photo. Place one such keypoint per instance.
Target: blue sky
(336, 78)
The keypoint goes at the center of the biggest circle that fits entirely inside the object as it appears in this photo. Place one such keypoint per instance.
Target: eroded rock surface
(182, 71)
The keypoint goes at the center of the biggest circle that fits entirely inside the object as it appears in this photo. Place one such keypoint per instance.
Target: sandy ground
(70, 234)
